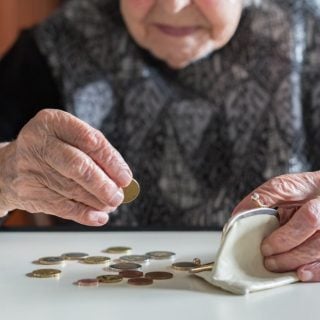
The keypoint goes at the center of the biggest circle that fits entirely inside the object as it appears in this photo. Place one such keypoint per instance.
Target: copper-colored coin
(159, 275)
(87, 283)
(140, 281)
(131, 274)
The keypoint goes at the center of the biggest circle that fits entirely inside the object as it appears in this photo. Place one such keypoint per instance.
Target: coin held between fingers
(131, 192)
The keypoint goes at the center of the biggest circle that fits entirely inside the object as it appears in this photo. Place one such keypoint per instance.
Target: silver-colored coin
(74, 255)
(125, 266)
(51, 260)
(135, 258)
(161, 255)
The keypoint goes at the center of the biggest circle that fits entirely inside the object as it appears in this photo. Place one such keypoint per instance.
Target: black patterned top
(201, 138)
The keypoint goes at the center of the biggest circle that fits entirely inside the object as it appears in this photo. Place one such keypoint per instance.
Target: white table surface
(184, 297)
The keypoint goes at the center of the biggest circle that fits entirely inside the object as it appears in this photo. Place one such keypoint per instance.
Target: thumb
(290, 190)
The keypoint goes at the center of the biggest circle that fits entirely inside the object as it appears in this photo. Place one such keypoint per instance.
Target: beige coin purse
(239, 264)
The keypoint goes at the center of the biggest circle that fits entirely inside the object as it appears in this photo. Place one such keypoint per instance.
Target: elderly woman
(204, 100)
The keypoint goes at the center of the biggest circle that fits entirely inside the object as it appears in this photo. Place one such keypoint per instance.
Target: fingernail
(125, 177)
(271, 264)
(117, 198)
(98, 217)
(266, 250)
(305, 275)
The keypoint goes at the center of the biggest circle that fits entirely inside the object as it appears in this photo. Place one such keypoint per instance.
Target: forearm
(6, 173)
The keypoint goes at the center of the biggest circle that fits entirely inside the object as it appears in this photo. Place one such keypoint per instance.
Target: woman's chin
(177, 64)
(180, 61)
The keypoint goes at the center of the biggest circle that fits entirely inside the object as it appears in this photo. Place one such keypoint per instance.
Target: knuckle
(43, 114)
(111, 156)
(281, 185)
(101, 148)
(80, 167)
(312, 213)
(93, 138)
(71, 209)
(101, 206)
(108, 190)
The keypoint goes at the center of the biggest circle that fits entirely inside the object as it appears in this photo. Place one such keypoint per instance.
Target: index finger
(287, 190)
(79, 134)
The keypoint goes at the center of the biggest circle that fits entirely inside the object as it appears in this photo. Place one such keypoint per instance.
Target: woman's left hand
(295, 246)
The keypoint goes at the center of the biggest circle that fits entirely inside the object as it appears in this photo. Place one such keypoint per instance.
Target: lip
(176, 31)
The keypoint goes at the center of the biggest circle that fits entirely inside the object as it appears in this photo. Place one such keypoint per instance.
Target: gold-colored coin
(184, 266)
(95, 260)
(45, 273)
(131, 192)
(109, 278)
(51, 260)
(118, 250)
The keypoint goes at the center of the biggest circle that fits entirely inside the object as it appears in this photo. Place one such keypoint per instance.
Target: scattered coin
(125, 266)
(74, 255)
(131, 192)
(51, 260)
(45, 273)
(109, 278)
(161, 255)
(184, 266)
(131, 274)
(135, 258)
(159, 275)
(118, 250)
(87, 283)
(140, 281)
(95, 260)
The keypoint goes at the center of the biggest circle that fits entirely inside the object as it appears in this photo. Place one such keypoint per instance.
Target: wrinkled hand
(296, 244)
(60, 165)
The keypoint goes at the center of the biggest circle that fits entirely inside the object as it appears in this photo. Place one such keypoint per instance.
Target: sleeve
(26, 86)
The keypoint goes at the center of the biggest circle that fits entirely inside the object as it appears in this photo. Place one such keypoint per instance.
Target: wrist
(7, 162)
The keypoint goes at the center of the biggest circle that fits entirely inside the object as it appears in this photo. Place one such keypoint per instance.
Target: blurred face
(181, 31)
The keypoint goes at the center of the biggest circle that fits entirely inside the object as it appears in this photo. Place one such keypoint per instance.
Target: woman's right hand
(60, 165)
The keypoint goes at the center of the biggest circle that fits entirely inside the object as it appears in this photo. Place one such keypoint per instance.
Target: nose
(174, 6)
